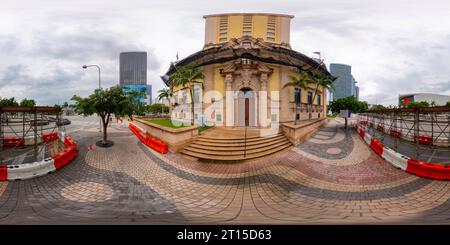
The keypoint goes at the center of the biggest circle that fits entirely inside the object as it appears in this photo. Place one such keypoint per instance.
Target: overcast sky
(393, 47)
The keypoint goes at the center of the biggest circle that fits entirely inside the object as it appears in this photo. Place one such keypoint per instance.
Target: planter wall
(298, 133)
(175, 138)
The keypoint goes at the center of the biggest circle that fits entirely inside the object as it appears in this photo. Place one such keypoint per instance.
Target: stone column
(229, 101)
(263, 122)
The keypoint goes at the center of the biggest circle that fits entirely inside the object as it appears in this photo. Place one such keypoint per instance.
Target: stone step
(236, 147)
(237, 144)
(240, 139)
(210, 137)
(236, 157)
(240, 151)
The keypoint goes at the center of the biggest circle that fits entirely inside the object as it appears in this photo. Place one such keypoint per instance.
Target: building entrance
(246, 108)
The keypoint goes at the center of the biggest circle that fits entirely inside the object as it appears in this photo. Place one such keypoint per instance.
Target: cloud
(393, 47)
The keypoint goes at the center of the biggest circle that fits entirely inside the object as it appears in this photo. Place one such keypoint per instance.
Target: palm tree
(186, 77)
(321, 80)
(165, 93)
(301, 81)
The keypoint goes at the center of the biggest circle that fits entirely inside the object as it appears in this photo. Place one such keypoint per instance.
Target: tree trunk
(105, 128)
(192, 106)
(312, 102)
(170, 106)
(345, 123)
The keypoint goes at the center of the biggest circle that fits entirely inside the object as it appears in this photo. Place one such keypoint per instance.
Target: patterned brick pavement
(331, 178)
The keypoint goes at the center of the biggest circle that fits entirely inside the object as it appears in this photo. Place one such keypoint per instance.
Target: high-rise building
(357, 92)
(133, 68)
(344, 85)
(133, 74)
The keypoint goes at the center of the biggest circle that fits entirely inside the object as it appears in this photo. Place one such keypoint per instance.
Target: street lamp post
(99, 84)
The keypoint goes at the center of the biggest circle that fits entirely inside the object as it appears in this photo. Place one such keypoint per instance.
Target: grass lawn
(166, 122)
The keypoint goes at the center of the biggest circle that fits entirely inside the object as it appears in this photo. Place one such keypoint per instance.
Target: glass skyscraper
(133, 68)
(345, 84)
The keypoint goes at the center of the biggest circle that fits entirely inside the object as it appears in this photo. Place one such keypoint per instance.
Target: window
(298, 94)
(274, 117)
(318, 99)
(297, 116)
(196, 94)
(223, 27)
(245, 61)
(309, 97)
(184, 97)
(247, 25)
(246, 44)
(271, 26)
(195, 116)
(218, 117)
(175, 99)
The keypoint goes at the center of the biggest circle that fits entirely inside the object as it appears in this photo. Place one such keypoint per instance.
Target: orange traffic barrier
(428, 170)
(395, 133)
(376, 146)
(3, 172)
(425, 139)
(63, 158)
(50, 136)
(12, 142)
(380, 128)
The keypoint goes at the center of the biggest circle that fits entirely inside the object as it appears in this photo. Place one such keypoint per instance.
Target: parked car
(39, 122)
(63, 121)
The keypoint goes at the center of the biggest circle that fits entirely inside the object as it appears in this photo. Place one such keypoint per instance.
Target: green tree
(166, 93)
(301, 81)
(8, 102)
(137, 105)
(56, 106)
(348, 103)
(321, 80)
(418, 104)
(448, 103)
(186, 77)
(27, 102)
(105, 102)
(157, 108)
(378, 107)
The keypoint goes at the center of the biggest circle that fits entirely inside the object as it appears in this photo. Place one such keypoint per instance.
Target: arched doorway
(246, 108)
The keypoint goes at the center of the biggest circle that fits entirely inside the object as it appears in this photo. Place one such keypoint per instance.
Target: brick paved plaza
(332, 178)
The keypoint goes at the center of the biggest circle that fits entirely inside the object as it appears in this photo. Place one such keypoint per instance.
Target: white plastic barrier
(142, 130)
(30, 140)
(398, 160)
(31, 170)
(61, 136)
(367, 138)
